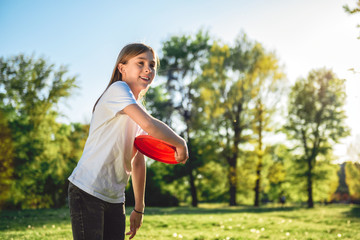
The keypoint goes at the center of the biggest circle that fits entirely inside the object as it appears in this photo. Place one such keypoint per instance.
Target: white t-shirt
(105, 165)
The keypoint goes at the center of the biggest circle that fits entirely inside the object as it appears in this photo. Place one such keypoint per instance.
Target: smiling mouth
(145, 78)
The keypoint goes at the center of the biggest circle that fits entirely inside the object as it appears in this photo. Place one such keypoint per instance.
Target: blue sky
(86, 36)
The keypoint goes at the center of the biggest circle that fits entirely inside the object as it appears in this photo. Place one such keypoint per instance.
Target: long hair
(128, 52)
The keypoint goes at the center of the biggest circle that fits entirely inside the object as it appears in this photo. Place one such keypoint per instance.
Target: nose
(148, 69)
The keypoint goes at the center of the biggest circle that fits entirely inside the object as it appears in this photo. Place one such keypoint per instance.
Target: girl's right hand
(182, 154)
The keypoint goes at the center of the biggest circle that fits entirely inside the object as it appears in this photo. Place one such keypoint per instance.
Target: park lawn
(209, 221)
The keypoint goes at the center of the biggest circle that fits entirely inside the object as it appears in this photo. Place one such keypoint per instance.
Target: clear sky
(87, 36)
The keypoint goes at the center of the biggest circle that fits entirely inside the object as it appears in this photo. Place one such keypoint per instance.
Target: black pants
(94, 219)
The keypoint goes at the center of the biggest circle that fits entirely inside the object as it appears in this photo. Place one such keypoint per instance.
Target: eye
(141, 63)
(152, 66)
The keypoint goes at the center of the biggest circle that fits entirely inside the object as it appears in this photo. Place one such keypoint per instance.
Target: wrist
(139, 207)
(140, 212)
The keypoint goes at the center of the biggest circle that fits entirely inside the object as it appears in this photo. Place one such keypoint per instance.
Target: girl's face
(138, 72)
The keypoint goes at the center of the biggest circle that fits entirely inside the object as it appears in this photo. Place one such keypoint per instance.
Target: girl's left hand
(136, 220)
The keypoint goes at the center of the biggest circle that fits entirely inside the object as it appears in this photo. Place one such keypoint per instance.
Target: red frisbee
(155, 149)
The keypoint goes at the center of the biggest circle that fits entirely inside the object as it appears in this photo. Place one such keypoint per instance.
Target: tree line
(252, 137)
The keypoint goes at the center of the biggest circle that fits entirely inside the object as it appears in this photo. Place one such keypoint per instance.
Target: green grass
(210, 221)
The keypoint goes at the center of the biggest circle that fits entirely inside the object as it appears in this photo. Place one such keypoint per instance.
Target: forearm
(154, 127)
(138, 177)
(161, 131)
(158, 130)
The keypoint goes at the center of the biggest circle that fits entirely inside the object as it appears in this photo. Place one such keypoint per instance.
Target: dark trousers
(94, 219)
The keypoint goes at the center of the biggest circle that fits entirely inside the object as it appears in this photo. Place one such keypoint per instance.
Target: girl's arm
(158, 130)
(138, 177)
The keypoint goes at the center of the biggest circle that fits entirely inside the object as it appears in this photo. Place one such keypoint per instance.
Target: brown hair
(128, 52)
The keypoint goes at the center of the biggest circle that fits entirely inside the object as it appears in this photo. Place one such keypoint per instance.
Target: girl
(97, 184)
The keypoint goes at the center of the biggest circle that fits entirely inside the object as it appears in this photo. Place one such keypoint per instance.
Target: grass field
(215, 222)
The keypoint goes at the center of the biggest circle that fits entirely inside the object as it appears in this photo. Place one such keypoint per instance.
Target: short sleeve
(116, 98)
(141, 131)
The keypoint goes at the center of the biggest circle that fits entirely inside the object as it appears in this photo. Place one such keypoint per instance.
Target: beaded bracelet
(138, 211)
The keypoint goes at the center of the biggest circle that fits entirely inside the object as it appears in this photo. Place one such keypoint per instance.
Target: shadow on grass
(222, 210)
(354, 212)
(13, 219)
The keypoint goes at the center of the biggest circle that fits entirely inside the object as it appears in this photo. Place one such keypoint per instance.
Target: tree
(316, 119)
(182, 56)
(216, 105)
(228, 87)
(352, 170)
(269, 85)
(30, 90)
(278, 173)
(6, 156)
(156, 193)
(352, 178)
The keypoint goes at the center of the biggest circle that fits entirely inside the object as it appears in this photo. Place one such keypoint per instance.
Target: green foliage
(156, 193)
(269, 84)
(246, 172)
(316, 114)
(316, 121)
(181, 61)
(6, 159)
(211, 182)
(226, 97)
(326, 179)
(39, 146)
(157, 101)
(222, 99)
(286, 176)
(277, 173)
(352, 177)
(236, 86)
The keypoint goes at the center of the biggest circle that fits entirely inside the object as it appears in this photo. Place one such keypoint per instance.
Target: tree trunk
(232, 160)
(257, 184)
(260, 121)
(194, 201)
(232, 182)
(309, 184)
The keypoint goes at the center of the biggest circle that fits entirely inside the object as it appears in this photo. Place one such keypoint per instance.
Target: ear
(121, 68)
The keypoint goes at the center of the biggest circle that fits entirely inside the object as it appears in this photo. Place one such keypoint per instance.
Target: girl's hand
(181, 154)
(136, 220)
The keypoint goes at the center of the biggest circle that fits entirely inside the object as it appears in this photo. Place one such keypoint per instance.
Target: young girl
(97, 184)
